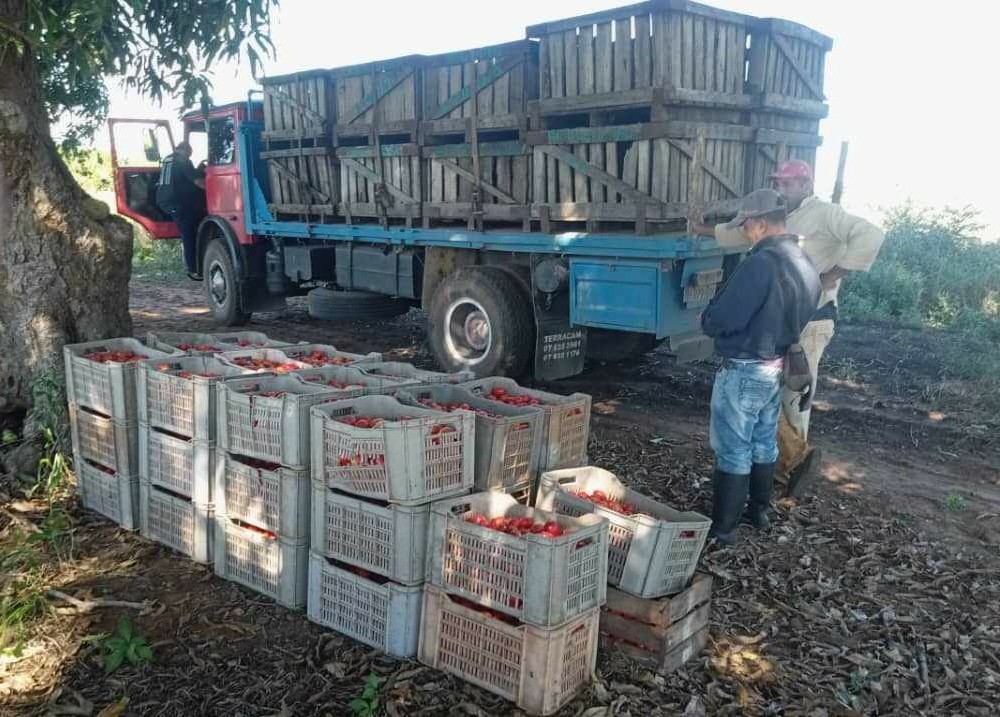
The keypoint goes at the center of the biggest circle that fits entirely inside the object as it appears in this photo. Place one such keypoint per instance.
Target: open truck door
(137, 148)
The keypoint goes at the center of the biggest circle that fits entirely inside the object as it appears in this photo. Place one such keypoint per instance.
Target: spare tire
(335, 305)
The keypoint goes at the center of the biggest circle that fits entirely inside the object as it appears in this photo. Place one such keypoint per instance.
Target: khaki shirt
(829, 236)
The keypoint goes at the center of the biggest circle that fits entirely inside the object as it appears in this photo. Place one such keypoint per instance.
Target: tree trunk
(65, 262)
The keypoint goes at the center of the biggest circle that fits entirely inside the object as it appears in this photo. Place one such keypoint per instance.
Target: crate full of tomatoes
(508, 438)
(566, 422)
(538, 567)
(377, 448)
(319, 355)
(653, 549)
(351, 382)
(196, 343)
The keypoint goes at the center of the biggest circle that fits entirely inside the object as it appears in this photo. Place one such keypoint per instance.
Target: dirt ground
(877, 595)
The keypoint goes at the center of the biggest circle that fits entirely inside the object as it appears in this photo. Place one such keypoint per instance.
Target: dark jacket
(766, 303)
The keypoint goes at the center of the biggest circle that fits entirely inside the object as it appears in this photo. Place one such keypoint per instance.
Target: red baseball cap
(793, 169)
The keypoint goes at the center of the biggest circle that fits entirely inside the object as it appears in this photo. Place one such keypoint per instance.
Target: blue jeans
(746, 401)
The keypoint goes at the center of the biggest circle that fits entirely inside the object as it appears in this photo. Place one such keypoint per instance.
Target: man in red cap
(837, 243)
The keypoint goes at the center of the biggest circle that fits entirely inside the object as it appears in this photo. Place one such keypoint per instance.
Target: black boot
(728, 500)
(761, 486)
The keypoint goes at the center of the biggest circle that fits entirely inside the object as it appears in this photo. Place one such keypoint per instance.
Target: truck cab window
(221, 141)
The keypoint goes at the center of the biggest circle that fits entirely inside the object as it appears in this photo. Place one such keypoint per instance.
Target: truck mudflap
(560, 348)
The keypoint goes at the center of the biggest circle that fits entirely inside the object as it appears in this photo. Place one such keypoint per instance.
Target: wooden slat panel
(643, 159)
(643, 52)
(504, 179)
(611, 167)
(570, 63)
(596, 190)
(469, 80)
(661, 168)
(485, 106)
(623, 55)
(687, 56)
(580, 193)
(544, 76)
(603, 60)
(551, 179)
(585, 59)
(501, 93)
(660, 44)
(539, 183)
(630, 166)
(698, 52)
(676, 46)
(709, 59)
(454, 87)
(465, 186)
(557, 62)
(565, 181)
(520, 187)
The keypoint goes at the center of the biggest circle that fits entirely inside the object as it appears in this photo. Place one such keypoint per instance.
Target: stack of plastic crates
(101, 388)
(513, 597)
(177, 438)
(377, 468)
(262, 483)
(190, 342)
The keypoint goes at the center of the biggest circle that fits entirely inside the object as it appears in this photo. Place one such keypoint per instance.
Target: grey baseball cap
(756, 204)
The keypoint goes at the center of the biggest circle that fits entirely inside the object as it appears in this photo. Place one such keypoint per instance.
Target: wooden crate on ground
(665, 49)
(663, 633)
(651, 172)
(381, 96)
(380, 180)
(299, 105)
(504, 78)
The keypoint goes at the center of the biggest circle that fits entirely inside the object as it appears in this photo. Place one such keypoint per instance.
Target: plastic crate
(388, 540)
(108, 388)
(179, 465)
(378, 613)
(176, 522)
(420, 377)
(539, 580)
(650, 554)
(113, 495)
(404, 462)
(566, 427)
(105, 441)
(508, 443)
(538, 669)
(229, 341)
(272, 498)
(275, 430)
(332, 356)
(264, 563)
(369, 385)
(179, 404)
(282, 363)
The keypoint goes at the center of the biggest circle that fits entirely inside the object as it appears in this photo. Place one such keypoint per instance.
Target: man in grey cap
(757, 316)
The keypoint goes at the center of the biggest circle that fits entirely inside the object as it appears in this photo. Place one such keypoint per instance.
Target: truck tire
(334, 305)
(617, 346)
(222, 289)
(481, 321)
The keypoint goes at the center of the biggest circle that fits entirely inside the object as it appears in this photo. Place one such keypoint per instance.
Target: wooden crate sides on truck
(785, 65)
(382, 180)
(377, 96)
(298, 106)
(304, 181)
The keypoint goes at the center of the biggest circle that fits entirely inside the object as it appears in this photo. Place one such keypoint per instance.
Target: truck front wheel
(481, 321)
(222, 286)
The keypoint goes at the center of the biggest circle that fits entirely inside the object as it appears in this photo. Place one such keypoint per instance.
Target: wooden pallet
(663, 633)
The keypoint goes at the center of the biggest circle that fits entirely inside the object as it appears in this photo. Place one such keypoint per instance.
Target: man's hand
(830, 278)
(696, 224)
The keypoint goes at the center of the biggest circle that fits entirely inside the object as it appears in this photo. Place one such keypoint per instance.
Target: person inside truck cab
(837, 243)
(181, 194)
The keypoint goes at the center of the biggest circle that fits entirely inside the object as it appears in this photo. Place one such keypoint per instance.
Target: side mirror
(150, 147)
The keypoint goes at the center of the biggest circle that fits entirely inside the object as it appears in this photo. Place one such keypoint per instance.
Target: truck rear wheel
(222, 291)
(481, 321)
(616, 346)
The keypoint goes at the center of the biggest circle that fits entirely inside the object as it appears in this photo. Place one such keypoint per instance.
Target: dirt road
(880, 594)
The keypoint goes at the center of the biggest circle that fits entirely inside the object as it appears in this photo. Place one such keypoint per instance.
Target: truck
(532, 197)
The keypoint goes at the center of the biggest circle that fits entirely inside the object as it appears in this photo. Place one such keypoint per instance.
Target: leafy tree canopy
(156, 47)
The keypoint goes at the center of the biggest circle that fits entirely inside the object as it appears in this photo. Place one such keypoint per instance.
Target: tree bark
(65, 262)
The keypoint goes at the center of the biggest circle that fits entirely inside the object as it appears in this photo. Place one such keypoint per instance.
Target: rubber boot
(728, 500)
(804, 474)
(761, 487)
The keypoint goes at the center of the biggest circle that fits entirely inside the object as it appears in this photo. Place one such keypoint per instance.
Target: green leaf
(125, 628)
(358, 705)
(113, 661)
(145, 652)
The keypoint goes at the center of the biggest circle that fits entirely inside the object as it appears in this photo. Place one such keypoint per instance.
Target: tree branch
(91, 605)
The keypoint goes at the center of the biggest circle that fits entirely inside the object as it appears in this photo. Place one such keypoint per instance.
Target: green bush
(935, 272)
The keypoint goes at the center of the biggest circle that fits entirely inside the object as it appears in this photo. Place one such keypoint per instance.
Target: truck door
(137, 147)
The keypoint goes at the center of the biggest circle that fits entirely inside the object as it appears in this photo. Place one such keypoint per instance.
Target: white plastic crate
(321, 355)
(567, 421)
(357, 382)
(268, 360)
(105, 441)
(508, 442)
(651, 553)
(265, 496)
(539, 580)
(262, 562)
(420, 377)
(389, 540)
(402, 461)
(538, 669)
(275, 430)
(107, 388)
(179, 394)
(176, 522)
(113, 495)
(376, 612)
(228, 341)
(180, 465)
